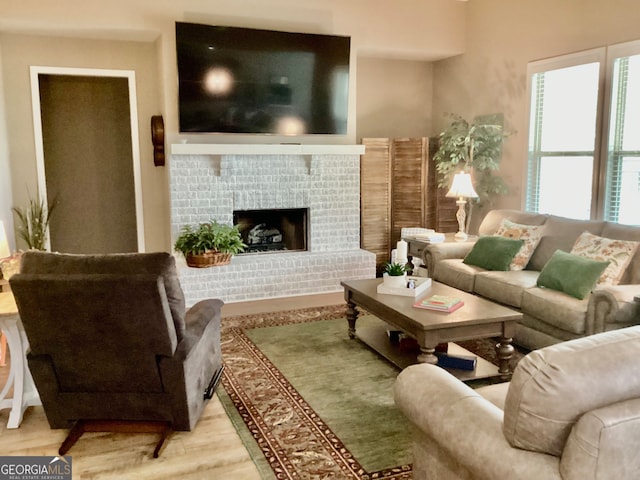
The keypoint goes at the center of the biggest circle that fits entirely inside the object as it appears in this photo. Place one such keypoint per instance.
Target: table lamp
(461, 188)
(5, 251)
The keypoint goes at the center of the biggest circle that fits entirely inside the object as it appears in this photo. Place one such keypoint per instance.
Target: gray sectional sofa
(549, 316)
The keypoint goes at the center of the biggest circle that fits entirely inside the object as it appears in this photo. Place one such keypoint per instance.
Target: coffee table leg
(504, 350)
(427, 355)
(352, 316)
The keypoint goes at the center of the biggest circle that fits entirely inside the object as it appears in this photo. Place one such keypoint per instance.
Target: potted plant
(209, 244)
(34, 223)
(395, 275)
(476, 148)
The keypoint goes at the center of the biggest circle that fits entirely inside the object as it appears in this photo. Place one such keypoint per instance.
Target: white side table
(24, 390)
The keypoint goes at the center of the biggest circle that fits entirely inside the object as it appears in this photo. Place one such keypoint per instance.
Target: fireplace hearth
(273, 230)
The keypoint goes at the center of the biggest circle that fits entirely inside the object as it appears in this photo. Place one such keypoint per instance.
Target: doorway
(88, 158)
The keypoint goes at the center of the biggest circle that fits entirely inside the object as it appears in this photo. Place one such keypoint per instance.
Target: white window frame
(614, 52)
(596, 55)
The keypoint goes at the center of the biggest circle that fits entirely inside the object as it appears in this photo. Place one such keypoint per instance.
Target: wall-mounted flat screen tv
(241, 80)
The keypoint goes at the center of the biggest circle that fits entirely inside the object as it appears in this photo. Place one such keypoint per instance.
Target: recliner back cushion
(553, 387)
(158, 263)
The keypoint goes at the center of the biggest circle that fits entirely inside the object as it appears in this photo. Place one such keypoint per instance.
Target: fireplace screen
(272, 230)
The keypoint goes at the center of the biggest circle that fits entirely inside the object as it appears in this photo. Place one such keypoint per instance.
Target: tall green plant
(475, 148)
(34, 222)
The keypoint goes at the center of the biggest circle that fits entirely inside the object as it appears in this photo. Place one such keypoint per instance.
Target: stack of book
(440, 303)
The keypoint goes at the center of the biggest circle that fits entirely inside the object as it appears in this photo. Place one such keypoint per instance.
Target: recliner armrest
(196, 320)
(465, 425)
(604, 444)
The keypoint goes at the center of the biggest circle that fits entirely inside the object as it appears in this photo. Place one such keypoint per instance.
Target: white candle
(401, 254)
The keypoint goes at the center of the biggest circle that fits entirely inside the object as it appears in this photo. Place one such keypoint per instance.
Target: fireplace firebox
(273, 230)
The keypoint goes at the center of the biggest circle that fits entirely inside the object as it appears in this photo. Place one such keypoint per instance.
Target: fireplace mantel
(263, 149)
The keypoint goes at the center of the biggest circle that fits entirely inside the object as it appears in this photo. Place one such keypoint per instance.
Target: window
(622, 198)
(572, 172)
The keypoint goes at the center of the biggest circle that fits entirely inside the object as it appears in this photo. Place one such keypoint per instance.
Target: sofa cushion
(626, 232)
(553, 387)
(571, 274)
(493, 252)
(556, 308)
(529, 234)
(453, 272)
(617, 252)
(505, 287)
(560, 233)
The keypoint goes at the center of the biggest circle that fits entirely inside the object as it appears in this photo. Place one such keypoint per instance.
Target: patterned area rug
(294, 439)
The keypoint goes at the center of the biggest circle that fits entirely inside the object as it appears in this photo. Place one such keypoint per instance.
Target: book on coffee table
(461, 362)
(440, 303)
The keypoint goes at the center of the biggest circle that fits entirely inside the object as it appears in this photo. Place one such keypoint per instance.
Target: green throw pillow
(493, 252)
(571, 274)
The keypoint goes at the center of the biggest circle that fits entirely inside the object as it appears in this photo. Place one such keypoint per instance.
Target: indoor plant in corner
(209, 244)
(34, 222)
(472, 147)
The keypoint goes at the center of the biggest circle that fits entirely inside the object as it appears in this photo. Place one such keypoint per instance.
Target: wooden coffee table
(478, 318)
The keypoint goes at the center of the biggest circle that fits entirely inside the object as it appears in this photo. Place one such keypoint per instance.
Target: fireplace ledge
(263, 149)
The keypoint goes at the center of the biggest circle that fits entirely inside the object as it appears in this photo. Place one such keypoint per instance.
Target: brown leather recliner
(111, 342)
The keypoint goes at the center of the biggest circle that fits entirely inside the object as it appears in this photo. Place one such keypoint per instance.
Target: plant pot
(208, 259)
(395, 281)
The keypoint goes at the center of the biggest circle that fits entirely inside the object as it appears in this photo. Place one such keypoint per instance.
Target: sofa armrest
(432, 254)
(612, 304)
(465, 425)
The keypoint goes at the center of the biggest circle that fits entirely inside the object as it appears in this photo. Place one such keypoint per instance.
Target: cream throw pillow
(530, 234)
(618, 252)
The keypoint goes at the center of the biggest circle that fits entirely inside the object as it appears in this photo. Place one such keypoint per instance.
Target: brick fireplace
(323, 182)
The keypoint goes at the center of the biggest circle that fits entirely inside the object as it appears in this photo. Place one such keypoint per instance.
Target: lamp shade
(462, 187)
(4, 243)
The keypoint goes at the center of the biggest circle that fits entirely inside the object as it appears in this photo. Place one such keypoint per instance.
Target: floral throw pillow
(530, 234)
(618, 252)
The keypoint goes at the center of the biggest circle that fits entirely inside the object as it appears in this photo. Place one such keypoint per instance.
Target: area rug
(310, 403)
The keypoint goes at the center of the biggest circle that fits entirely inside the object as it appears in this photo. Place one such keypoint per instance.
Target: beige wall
(6, 200)
(19, 52)
(139, 35)
(502, 37)
(394, 98)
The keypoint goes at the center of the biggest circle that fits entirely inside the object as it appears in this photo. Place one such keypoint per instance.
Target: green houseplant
(476, 148)
(395, 275)
(34, 222)
(208, 244)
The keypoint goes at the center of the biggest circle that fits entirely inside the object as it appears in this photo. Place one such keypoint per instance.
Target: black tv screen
(241, 80)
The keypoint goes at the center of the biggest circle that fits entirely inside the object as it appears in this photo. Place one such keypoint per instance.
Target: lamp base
(460, 236)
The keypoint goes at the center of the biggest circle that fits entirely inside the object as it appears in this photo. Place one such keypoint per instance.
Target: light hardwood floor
(213, 450)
